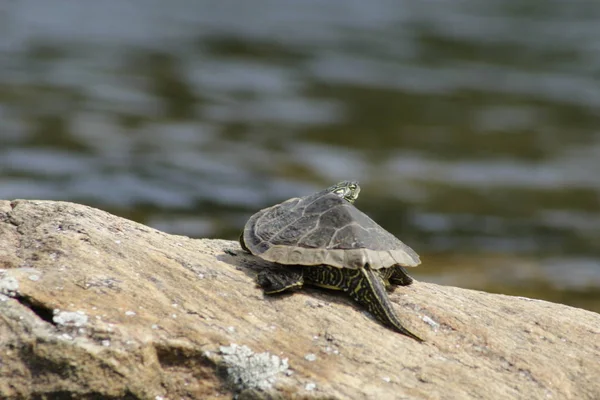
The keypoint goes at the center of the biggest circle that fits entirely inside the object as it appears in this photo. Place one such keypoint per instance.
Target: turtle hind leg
(394, 276)
(280, 281)
(367, 288)
(400, 277)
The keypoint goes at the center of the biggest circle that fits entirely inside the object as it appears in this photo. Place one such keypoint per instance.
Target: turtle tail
(368, 289)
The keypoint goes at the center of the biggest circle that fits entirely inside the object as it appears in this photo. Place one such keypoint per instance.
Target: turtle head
(347, 190)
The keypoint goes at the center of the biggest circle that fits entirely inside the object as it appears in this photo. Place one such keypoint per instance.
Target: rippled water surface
(472, 126)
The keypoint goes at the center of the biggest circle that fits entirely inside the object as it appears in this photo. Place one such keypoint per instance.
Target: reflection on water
(473, 127)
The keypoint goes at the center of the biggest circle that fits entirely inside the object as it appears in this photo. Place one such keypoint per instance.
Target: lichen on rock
(70, 318)
(8, 285)
(249, 370)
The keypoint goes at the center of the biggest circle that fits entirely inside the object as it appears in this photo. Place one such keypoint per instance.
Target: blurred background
(473, 126)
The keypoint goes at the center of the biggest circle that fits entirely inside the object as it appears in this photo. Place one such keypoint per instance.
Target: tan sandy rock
(93, 305)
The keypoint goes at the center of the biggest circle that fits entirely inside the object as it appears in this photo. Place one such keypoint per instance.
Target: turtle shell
(323, 228)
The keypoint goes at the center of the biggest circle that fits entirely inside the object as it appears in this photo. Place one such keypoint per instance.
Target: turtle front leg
(280, 281)
(367, 288)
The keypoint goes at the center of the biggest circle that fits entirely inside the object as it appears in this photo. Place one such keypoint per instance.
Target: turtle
(324, 240)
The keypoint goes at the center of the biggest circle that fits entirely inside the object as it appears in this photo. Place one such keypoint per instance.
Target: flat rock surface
(93, 305)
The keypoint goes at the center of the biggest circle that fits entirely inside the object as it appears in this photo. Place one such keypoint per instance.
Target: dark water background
(473, 126)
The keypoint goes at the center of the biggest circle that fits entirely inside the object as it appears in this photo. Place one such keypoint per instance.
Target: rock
(93, 305)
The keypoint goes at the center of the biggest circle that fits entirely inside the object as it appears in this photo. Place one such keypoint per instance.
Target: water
(472, 126)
